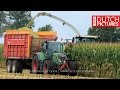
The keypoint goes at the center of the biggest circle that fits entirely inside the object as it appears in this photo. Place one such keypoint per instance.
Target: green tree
(2, 22)
(18, 19)
(106, 34)
(46, 28)
(14, 20)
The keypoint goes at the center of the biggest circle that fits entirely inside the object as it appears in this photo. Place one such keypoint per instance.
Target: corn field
(96, 59)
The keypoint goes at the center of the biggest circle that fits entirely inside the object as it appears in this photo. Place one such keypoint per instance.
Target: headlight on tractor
(62, 58)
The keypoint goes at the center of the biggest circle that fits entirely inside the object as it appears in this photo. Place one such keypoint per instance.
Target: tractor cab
(51, 47)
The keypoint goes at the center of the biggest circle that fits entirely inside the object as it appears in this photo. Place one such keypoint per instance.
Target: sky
(81, 20)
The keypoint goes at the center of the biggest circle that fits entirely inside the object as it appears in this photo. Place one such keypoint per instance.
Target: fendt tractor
(52, 59)
(25, 49)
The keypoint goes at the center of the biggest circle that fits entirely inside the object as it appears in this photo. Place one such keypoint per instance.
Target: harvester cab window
(77, 40)
(94, 40)
(88, 40)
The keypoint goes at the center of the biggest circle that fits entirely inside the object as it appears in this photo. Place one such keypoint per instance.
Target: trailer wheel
(36, 65)
(9, 66)
(73, 68)
(15, 66)
(20, 67)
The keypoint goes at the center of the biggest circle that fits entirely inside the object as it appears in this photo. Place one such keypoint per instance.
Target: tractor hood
(61, 56)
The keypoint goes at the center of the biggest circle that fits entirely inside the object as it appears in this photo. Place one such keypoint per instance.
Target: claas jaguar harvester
(37, 51)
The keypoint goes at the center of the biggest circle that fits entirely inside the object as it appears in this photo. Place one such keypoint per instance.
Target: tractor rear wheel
(73, 68)
(9, 66)
(36, 64)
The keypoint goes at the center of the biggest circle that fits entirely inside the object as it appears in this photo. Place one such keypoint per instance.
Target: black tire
(20, 67)
(73, 68)
(36, 66)
(15, 66)
(9, 66)
(46, 67)
(49, 67)
(55, 69)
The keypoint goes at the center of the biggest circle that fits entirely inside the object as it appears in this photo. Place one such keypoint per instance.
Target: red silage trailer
(19, 48)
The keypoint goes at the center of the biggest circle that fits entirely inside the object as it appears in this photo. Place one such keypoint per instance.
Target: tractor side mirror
(44, 45)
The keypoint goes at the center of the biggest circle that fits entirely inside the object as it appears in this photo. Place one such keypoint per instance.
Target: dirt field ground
(26, 75)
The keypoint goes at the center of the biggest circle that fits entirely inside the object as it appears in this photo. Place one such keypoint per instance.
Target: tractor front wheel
(48, 67)
(73, 68)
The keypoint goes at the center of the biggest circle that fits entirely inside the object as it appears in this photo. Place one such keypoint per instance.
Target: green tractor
(52, 60)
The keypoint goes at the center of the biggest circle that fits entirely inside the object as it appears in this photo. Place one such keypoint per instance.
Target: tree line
(16, 19)
(106, 34)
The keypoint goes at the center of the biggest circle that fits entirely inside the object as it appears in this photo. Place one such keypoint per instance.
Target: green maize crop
(96, 59)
